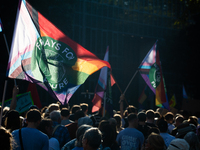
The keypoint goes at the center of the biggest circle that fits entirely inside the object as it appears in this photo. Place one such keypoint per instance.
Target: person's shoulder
(104, 148)
(63, 127)
(173, 137)
(69, 145)
(121, 132)
(66, 122)
(70, 124)
(70, 121)
(174, 131)
(77, 148)
(43, 135)
(14, 132)
(167, 135)
(129, 129)
(169, 124)
(54, 144)
(126, 131)
(53, 140)
(137, 131)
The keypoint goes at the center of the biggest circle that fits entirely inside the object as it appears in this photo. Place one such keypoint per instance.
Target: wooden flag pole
(120, 89)
(6, 43)
(130, 82)
(104, 104)
(2, 103)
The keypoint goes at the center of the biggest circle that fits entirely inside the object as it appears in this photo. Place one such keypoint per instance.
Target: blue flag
(1, 26)
(184, 93)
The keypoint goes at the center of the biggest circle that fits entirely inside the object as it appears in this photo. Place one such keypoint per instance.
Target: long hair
(6, 139)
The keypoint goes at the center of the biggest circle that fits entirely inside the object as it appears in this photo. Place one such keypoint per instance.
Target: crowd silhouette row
(59, 127)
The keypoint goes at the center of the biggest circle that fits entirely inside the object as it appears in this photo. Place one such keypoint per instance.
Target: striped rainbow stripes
(101, 85)
(151, 60)
(146, 64)
(25, 60)
(24, 38)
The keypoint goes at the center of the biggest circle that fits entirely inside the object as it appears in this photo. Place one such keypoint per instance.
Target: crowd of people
(59, 127)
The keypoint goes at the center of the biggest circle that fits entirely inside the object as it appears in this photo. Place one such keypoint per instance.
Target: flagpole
(2, 103)
(104, 104)
(6, 42)
(8, 52)
(120, 89)
(130, 82)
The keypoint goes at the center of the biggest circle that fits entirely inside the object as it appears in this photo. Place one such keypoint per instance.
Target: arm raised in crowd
(13, 103)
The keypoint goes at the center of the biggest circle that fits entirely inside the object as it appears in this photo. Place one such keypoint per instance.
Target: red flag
(96, 103)
(35, 96)
(112, 80)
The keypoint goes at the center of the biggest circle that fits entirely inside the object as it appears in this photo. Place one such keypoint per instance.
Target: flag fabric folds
(35, 96)
(184, 93)
(1, 26)
(146, 65)
(146, 94)
(143, 95)
(109, 100)
(172, 102)
(41, 53)
(112, 80)
(101, 86)
(165, 104)
(151, 72)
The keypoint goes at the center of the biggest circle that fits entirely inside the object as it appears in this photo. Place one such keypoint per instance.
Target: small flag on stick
(1, 26)
(101, 86)
(151, 71)
(172, 102)
(184, 93)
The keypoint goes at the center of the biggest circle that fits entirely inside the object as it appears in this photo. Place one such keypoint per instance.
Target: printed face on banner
(52, 58)
(154, 75)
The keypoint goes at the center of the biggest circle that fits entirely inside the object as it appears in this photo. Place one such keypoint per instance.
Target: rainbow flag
(172, 101)
(151, 72)
(165, 104)
(143, 95)
(146, 65)
(42, 54)
(146, 95)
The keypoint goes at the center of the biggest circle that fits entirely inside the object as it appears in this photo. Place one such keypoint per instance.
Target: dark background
(179, 53)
